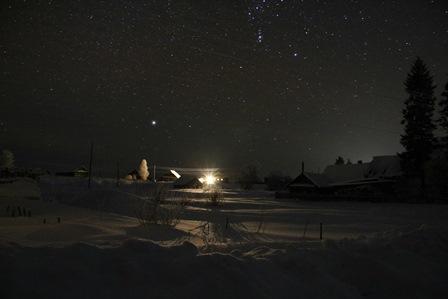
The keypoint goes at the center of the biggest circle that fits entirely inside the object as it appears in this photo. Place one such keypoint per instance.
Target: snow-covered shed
(188, 181)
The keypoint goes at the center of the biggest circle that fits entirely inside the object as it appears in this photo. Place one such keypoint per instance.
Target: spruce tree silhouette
(418, 138)
(443, 120)
(339, 161)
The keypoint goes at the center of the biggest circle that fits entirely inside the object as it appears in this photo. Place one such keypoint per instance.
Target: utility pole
(320, 235)
(90, 164)
(154, 174)
(118, 173)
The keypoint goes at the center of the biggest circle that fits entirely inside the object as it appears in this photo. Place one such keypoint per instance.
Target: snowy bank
(397, 264)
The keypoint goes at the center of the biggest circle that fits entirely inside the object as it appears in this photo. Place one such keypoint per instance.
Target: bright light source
(210, 179)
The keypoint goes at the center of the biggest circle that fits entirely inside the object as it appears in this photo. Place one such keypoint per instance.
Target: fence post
(321, 230)
(305, 229)
(90, 164)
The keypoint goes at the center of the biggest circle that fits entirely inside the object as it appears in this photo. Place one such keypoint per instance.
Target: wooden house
(376, 177)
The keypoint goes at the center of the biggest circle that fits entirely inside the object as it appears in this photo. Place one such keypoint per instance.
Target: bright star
(153, 123)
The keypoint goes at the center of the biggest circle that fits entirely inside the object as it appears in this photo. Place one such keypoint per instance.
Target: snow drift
(396, 264)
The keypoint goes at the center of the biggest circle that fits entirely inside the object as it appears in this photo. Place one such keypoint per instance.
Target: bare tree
(249, 177)
(162, 207)
(214, 197)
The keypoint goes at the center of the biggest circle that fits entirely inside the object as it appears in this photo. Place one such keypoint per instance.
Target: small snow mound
(156, 232)
(263, 252)
(134, 246)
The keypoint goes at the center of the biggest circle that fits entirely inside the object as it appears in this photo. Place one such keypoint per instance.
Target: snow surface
(412, 264)
(261, 248)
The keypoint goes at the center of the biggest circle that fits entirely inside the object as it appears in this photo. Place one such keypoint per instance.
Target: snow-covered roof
(384, 167)
(380, 168)
(346, 172)
(186, 179)
(318, 179)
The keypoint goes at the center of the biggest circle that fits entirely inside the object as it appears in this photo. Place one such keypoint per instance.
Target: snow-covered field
(92, 246)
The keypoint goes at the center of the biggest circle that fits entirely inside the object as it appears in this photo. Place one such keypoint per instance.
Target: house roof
(384, 167)
(345, 173)
(186, 179)
(380, 168)
(317, 179)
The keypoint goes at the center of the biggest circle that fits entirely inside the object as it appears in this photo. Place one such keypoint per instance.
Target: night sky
(211, 83)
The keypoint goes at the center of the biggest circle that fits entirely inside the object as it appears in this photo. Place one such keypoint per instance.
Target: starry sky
(211, 83)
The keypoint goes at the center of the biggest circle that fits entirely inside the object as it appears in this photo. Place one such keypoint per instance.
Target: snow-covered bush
(218, 228)
(143, 172)
(214, 197)
(161, 207)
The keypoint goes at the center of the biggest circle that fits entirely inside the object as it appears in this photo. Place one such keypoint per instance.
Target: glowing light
(208, 179)
(176, 174)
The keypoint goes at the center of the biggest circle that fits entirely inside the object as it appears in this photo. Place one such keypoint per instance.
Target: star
(269, 69)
